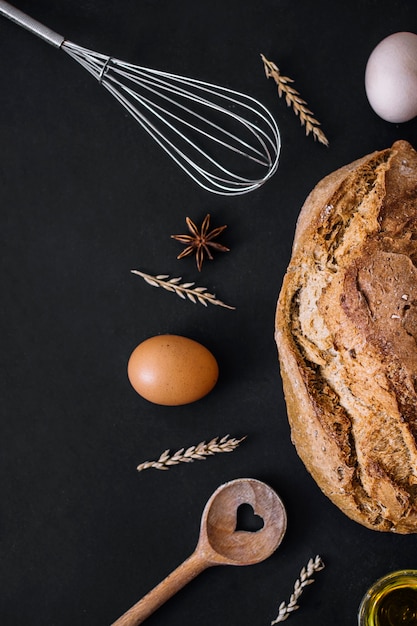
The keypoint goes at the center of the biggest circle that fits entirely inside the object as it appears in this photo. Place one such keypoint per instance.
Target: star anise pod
(200, 241)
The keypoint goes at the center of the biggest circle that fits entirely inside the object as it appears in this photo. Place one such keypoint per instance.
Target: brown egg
(172, 370)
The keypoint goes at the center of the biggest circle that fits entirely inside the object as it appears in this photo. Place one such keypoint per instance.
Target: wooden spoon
(219, 542)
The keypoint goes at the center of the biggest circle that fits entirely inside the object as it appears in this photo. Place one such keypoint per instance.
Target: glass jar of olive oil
(391, 601)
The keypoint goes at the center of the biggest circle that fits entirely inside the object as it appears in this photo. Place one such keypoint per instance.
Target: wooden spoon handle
(184, 573)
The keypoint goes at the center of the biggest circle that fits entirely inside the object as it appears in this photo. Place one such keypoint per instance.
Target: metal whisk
(213, 133)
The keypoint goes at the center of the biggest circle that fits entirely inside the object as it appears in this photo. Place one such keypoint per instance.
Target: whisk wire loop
(176, 103)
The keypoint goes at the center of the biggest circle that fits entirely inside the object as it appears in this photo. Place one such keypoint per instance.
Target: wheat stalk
(184, 290)
(293, 98)
(193, 453)
(305, 579)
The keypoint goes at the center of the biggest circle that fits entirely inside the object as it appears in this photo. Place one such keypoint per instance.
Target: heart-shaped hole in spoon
(219, 543)
(247, 520)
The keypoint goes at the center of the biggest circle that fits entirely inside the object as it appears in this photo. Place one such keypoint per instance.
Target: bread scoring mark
(331, 415)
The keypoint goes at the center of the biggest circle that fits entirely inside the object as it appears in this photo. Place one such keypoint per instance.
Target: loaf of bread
(346, 331)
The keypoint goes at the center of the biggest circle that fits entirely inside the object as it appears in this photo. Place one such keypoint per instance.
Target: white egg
(391, 78)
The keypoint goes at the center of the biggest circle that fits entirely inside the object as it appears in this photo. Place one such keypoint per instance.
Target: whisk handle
(24, 20)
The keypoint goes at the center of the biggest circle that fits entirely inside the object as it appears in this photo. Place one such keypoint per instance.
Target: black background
(86, 196)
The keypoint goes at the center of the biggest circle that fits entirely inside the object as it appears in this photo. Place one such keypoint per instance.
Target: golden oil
(391, 601)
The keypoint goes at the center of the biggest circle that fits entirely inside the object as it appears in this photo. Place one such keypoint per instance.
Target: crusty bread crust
(346, 331)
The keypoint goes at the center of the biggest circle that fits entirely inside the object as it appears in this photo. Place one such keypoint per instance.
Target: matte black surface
(86, 196)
